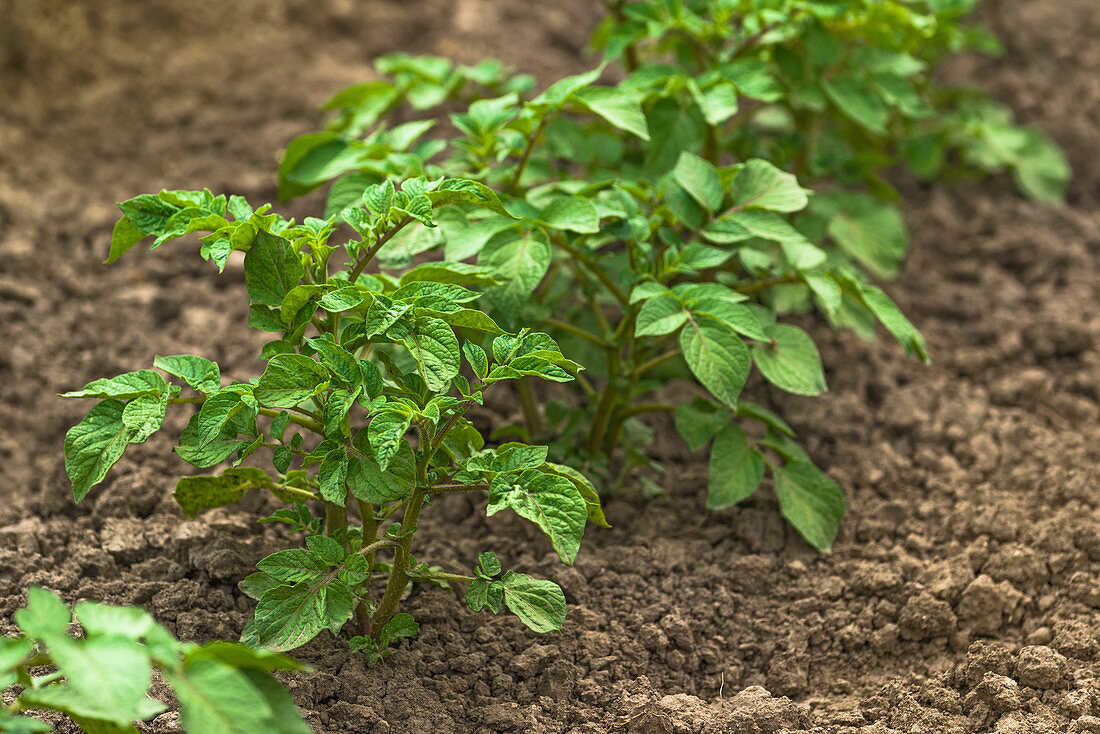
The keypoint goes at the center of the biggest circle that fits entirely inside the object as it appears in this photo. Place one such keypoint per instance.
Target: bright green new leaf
(144, 416)
(201, 375)
(622, 110)
(123, 387)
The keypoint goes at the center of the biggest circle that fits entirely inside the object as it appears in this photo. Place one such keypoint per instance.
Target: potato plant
(362, 407)
(664, 223)
(101, 678)
(649, 259)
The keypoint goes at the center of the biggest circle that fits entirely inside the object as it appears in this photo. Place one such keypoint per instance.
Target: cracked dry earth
(963, 592)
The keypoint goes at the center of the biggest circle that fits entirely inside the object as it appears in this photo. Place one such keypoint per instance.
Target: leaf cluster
(101, 677)
(362, 404)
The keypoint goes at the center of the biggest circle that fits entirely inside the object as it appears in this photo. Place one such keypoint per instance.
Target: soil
(962, 594)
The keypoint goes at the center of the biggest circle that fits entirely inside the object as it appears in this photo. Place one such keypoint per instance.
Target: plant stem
(767, 283)
(532, 139)
(575, 331)
(479, 487)
(532, 415)
(355, 272)
(399, 575)
(312, 425)
(336, 517)
(595, 269)
(655, 362)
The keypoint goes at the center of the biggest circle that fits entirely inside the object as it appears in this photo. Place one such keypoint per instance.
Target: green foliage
(361, 403)
(101, 679)
(661, 227)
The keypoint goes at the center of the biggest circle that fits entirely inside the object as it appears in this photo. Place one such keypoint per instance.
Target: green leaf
(539, 604)
(475, 355)
(201, 375)
(293, 565)
(212, 418)
(289, 380)
(858, 101)
(434, 346)
(811, 502)
(288, 617)
(791, 361)
(312, 159)
(124, 236)
(887, 312)
(621, 109)
(385, 434)
(869, 230)
(333, 476)
(736, 469)
(401, 625)
(339, 360)
(700, 179)
(674, 128)
(573, 214)
(216, 699)
(195, 494)
(271, 269)
(144, 416)
(519, 260)
(148, 213)
(107, 678)
(698, 422)
(94, 445)
(717, 357)
(663, 314)
(760, 185)
(123, 387)
(552, 502)
(368, 482)
(481, 594)
(45, 616)
(285, 717)
(104, 620)
(588, 492)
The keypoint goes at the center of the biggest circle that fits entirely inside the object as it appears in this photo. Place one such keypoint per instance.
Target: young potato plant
(650, 261)
(362, 405)
(101, 678)
(836, 90)
(833, 92)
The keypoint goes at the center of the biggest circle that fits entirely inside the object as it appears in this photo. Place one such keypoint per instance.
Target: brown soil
(962, 594)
